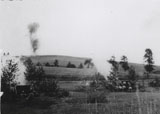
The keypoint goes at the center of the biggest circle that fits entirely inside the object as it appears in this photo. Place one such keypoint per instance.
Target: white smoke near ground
(102, 66)
(21, 77)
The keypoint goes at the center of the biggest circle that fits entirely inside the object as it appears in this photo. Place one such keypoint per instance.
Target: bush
(155, 83)
(47, 64)
(80, 66)
(63, 93)
(38, 64)
(50, 88)
(81, 88)
(70, 65)
(96, 97)
(126, 86)
(56, 63)
(141, 88)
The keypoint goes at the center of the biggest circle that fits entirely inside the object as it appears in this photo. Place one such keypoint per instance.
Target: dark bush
(81, 88)
(47, 64)
(125, 86)
(96, 97)
(56, 63)
(63, 93)
(51, 88)
(80, 66)
(38, 64)
(141, 88)
(70, 65)
(155, 83)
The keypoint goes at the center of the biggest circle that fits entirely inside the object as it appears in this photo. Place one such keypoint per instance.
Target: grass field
(60, 71)
(117, 103)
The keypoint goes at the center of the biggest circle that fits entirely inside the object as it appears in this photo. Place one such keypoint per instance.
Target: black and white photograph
(80, 56)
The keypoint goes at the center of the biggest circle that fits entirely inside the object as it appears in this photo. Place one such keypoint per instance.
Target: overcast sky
(85, 28)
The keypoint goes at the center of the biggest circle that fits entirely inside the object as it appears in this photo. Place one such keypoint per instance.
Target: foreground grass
(117, 103)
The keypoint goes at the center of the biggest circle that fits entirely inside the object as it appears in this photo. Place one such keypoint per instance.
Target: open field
(71, 85)
(69, 72)
(117, 103)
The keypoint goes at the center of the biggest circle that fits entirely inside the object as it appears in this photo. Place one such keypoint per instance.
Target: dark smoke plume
(32, 30)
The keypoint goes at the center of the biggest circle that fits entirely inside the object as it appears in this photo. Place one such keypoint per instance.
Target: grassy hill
(62, 72)
(62, 60)
(139, 68)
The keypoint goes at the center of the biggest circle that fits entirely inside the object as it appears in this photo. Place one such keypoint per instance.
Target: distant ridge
(67, 56)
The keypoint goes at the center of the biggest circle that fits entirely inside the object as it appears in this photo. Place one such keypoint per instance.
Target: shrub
(63, 93)
(70, 65)
(141, 88)
(8, 83)
(80, 65)
(81, 88)
(47, 64)
(51, 88)
(155, 83)
(38, 64)
(56, 63)
(96, 97)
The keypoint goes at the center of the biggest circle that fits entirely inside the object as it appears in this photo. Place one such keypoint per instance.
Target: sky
(84, 28)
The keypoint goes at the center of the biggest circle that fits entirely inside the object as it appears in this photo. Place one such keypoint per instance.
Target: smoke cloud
(33, 27)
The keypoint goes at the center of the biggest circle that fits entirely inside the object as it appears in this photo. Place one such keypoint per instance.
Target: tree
(115, 66)
(33, 74)
(40, 73)
(56, 63)
(148, 58)
(132, 74)
(9, 72)
(124, 63)
(38, 64)
(113, 77)
(47, 64)
(89, 63)
(69, 65)
(80, 65)
(96, 84)
(30, 70)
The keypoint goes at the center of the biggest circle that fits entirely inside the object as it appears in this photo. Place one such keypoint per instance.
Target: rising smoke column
(33, 40)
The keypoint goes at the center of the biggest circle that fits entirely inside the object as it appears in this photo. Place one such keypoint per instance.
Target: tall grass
(118, 103)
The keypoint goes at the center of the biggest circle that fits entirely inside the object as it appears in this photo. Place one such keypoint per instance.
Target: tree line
(87, 64)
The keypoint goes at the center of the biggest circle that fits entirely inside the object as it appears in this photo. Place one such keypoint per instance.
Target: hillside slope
(139, 68)
(62, 71)
(62, 60)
